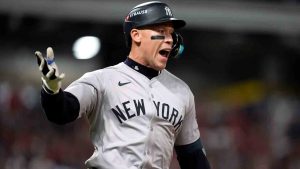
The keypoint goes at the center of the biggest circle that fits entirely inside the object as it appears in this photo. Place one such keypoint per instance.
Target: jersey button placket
(150, 93)
(150, 129)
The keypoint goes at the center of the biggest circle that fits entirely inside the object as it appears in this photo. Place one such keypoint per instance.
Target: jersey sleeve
(86, 90)
(60, 108)
(190, 131)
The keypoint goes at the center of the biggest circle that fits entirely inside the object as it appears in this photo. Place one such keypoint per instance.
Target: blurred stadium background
(241, 59)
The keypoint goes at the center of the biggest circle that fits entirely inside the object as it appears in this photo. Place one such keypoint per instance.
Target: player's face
(156, 44)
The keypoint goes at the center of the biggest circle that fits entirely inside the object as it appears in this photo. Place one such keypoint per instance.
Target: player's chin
(161, 62)
(161, 65)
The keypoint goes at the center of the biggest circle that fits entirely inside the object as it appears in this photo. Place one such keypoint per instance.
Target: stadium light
(86, 47)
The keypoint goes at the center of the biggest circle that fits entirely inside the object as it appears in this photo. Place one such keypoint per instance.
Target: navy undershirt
(148, 72)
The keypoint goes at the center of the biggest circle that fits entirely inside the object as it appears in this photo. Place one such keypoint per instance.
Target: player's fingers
(51, 61)
(50, 56)
(42, 65)
(61, 76)
(50, 74)
(39, 57)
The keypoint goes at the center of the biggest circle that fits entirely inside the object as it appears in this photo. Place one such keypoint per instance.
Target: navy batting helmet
(149, 13)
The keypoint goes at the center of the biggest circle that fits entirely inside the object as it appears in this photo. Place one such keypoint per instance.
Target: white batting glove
(51, 77)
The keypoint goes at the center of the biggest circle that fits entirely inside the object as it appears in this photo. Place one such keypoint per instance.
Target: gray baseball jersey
(135, 121)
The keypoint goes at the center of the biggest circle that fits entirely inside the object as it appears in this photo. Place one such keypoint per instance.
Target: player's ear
(135, 35)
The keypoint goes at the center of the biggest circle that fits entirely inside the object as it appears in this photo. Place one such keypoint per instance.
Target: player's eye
(161, 31)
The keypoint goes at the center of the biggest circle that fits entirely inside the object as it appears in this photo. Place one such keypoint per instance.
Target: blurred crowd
(249, 125)
(243, 126)
(29, 141)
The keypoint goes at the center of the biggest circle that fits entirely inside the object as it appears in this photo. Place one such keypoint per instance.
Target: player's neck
(146, 71)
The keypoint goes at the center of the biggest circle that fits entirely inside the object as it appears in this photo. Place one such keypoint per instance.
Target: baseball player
(138, 111)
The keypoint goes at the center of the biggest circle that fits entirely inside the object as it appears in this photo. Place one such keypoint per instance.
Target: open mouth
(164, 52)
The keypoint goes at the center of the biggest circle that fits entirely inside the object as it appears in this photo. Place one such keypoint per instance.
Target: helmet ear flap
(178, 47)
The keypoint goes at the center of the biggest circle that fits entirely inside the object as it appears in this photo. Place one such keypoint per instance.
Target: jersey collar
(148, 72)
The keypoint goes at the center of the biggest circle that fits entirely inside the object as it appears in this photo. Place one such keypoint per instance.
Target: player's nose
(169, 39)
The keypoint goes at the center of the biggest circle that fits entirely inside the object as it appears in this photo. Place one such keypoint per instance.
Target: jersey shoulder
(97, 77)
(107, 71)
(179, 88)
(173, 81)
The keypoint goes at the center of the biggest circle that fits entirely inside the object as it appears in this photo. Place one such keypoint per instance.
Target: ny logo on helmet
(168, 11)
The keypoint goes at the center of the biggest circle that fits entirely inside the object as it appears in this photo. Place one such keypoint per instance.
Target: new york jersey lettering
(128, 114)
(131, 109)
(169, 113)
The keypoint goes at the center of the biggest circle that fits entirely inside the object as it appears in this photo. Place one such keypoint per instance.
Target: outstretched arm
(60, 107)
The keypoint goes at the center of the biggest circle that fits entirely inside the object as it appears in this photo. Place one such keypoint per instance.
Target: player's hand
(51, 77)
